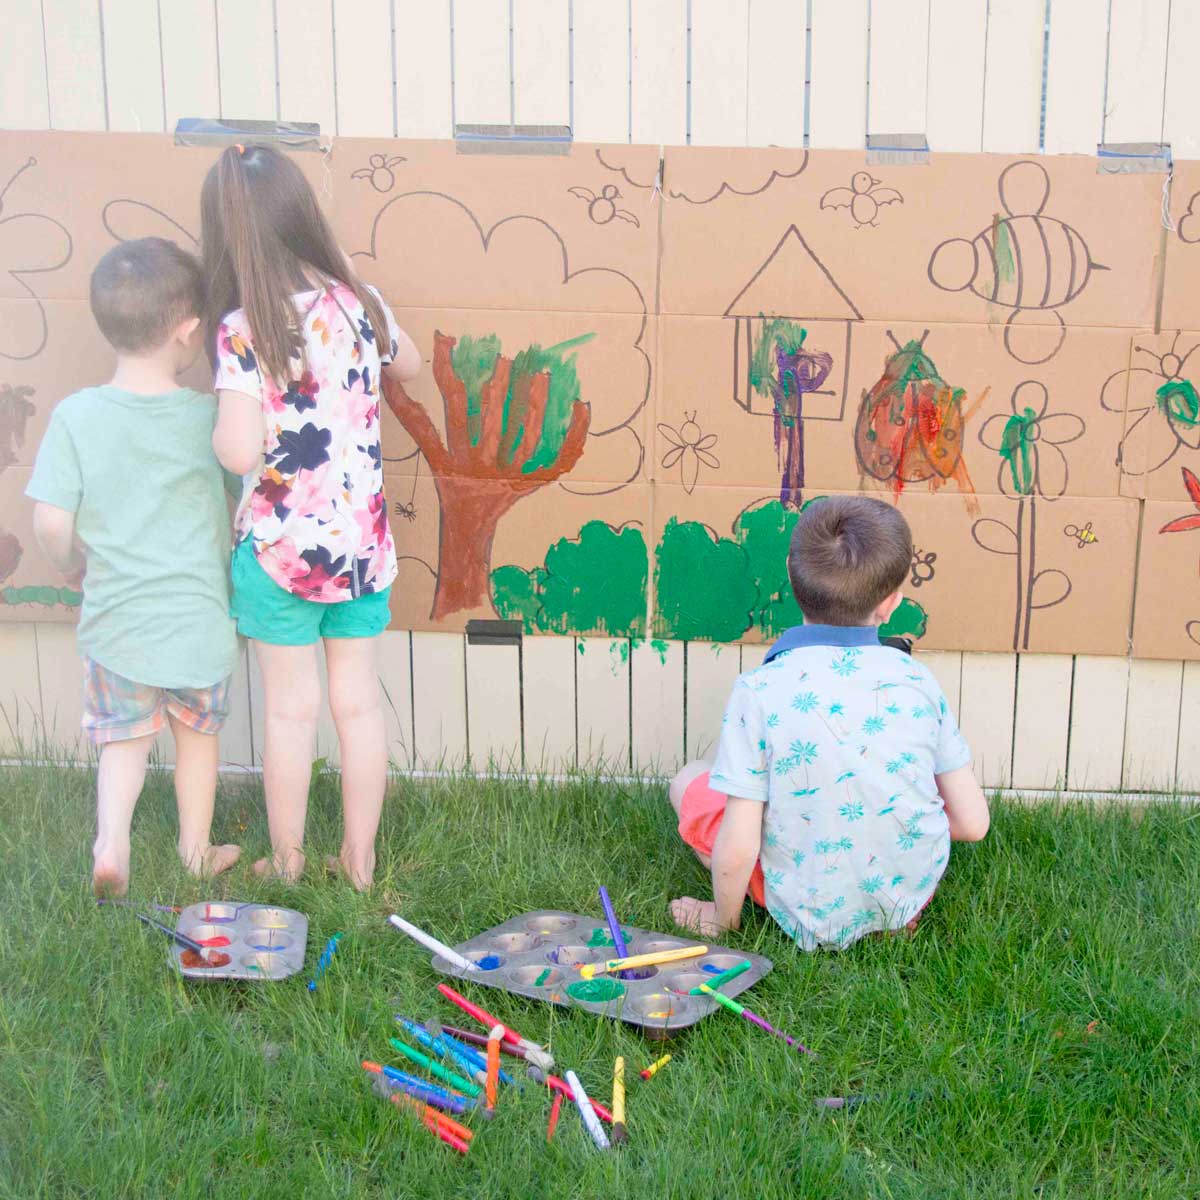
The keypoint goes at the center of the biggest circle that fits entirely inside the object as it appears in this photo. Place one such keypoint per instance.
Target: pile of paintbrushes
(464, 1067)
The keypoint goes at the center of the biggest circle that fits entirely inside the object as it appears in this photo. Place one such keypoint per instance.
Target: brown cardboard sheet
(1167, 616)
(1159, 396)
(1014, 242)
(440, 229)
(1181, 282)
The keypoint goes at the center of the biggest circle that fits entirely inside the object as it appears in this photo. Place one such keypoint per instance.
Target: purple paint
(800, 371)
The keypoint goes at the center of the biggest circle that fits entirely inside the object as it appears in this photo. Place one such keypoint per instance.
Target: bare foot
(213, 860)
(288, 871)
(110, 873)
(698, 915)
(360, 875)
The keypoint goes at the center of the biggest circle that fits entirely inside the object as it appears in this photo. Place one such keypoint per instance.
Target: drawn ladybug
(603, 208)
(864, 198)
(379, 171)
(1024, 260)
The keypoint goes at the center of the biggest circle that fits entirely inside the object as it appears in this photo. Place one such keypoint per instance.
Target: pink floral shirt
(315, 507)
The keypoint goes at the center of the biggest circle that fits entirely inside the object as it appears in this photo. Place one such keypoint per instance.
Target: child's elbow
(238, 460)
(974, 828)
(405, 366)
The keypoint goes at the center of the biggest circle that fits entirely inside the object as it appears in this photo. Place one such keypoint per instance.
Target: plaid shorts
(116, 709)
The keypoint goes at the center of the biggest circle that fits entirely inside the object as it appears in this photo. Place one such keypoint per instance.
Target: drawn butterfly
(689, 448)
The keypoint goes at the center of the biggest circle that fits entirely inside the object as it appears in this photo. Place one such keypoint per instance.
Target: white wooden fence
(1012, 76)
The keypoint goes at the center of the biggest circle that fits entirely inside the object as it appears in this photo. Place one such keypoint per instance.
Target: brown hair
(263, 237)
(848, 554)
(142, 290)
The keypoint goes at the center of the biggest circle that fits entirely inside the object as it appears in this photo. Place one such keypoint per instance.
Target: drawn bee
(689, 448)
(406, 510)
(603, 208)
(922, 570)
(1024, 260)
(379, 171)
(1083, 537)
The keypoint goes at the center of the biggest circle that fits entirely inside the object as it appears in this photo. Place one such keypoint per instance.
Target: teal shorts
(265, 612)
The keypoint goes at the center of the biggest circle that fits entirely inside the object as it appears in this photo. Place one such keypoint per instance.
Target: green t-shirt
(149, 501)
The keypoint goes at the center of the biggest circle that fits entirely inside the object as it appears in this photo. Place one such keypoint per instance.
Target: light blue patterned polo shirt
(841, 738)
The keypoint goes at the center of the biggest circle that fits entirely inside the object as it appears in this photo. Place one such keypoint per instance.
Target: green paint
(596, 991)
(1016, 448)
(604, 937)
(661, 649)
(542, 978)
(474, 360)
(560, 401)
(595, 583)
(775, 335)
(702, 583)
(909, 620)
(1178, 401)
(621, 650)
(41, 594)
(1006, 263)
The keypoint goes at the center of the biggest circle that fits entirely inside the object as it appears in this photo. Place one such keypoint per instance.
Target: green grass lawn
(118, 1079)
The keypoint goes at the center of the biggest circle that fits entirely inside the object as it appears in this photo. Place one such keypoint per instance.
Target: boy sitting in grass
(130, 497)
(841, 776)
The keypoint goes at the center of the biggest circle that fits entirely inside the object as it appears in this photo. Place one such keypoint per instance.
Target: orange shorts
(700, 813)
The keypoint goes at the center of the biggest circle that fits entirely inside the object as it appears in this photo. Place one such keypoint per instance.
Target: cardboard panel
(1181, 281)
(605, 358)
(1162, 412)
(435, 228)
(1010, 578)
(867, 393)
(967, 238)
(1167, 617)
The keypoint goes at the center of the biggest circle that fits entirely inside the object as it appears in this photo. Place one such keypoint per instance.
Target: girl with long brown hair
(298, 343)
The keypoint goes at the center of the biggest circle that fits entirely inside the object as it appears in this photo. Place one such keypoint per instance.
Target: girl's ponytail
(264, 238)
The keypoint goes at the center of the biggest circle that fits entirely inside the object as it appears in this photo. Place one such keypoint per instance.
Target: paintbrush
(180, 939)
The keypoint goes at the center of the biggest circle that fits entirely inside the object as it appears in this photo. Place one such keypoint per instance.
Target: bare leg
(685, 777)
(292, 690)
(118, 786)
(196, 758)
(357, 708)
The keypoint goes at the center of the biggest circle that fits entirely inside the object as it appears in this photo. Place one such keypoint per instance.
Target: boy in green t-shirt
(130, 497)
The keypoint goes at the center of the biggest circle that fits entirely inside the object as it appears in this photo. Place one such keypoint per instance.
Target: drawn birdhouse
(792, 289)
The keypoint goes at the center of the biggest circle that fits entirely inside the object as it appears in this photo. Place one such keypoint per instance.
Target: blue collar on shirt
(824, 635)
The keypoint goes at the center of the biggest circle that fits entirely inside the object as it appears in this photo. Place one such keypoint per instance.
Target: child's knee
(352, 702)
(684, 778)
(299, 703)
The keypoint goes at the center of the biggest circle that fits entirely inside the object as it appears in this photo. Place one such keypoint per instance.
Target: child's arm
(237, 438)
(735, 851)
(406, 362)
(966, 805)
(54, 529)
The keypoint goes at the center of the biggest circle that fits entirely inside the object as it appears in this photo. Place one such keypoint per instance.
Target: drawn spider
(689, 448)
(603, 208)
(406, 510)
(1173, 395)
(379, 171)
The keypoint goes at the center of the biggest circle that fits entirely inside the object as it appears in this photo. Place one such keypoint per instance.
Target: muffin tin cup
(550, 947)
(265, 942)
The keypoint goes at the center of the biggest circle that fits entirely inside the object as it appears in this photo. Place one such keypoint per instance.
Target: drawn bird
(864, 198)
(603, 208)
(380, 171)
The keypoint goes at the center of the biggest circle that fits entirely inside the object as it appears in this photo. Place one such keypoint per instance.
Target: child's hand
(699, 915)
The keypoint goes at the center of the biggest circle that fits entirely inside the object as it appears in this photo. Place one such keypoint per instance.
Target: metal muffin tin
(265, 942)
(552, 946)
